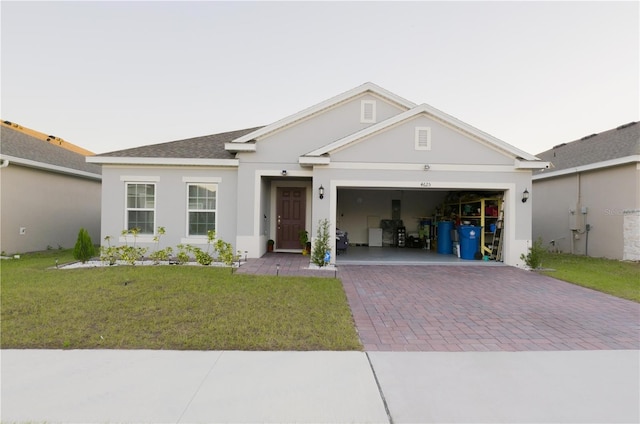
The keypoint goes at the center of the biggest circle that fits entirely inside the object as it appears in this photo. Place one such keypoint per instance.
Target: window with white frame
(201, 208)
(141, 207)
(368, 111)
(423, 138)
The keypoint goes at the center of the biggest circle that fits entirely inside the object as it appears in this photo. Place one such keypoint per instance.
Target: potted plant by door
(303, 236)
(270, 244)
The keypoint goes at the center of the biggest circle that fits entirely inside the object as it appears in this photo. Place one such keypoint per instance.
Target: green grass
(621, 279)
(168, 307)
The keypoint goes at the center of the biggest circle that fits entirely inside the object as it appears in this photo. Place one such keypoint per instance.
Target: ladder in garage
(496, 243)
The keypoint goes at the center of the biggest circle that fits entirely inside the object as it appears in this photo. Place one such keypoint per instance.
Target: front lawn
(168, 307)
(621, 279)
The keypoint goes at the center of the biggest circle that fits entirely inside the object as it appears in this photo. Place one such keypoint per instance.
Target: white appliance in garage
(375, 232)
(375, 237)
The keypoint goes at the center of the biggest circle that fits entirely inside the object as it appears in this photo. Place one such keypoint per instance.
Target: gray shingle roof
(205, 147)
(20, 145)
(612, 144)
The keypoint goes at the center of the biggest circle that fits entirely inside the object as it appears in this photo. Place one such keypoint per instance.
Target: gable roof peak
(333, 101)
(435, 114)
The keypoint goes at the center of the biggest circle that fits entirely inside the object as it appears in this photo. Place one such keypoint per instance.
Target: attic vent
(588, 136)
(626, 125)
(423, 138)
(368, 111)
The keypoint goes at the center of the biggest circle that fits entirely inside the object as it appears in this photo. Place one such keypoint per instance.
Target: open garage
(385, 224)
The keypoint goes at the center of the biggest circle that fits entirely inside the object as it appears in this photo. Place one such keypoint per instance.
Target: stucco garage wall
(51, 207)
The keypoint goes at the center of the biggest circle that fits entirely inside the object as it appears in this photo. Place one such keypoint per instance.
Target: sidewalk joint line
(206, 376)
(384, 399)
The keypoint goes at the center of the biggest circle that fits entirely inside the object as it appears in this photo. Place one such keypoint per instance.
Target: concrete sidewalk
(108, 386)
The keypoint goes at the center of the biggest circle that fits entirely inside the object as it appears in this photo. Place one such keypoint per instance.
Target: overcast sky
(114, 75)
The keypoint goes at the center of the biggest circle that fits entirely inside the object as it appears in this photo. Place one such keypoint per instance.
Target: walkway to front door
(470, 308)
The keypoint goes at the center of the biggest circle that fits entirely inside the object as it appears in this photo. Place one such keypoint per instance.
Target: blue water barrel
(444, 237)
(469, 241)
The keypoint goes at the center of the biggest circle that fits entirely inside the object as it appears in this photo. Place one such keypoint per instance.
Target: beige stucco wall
(605, 193)
(51, 207)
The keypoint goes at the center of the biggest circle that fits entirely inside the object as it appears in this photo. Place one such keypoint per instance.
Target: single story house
(47, 191)
(588, 202)
(357, 159)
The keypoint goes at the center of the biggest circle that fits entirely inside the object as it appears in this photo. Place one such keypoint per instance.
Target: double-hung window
(141, 207)
(201, 208)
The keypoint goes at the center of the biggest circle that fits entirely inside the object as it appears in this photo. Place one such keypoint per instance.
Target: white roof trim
(49, 167)
(590, 167)
(116, 160)
(324, 105)
(525, 164)
(240, 147)
(433, 113)
(316, 160)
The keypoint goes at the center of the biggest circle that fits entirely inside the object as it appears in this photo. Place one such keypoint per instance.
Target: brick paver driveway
(473, 308)
(470, 308)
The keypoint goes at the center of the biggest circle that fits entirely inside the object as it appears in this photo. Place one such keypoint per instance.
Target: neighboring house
(588, 202)
(357, 158)
(47, 191)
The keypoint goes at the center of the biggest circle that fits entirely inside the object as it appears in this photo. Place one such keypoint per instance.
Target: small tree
(84, 248)
(321, 244)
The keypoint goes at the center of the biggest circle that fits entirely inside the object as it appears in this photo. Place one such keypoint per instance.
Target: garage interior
(419, 226)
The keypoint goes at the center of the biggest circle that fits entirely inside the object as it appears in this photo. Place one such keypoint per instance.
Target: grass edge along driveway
(168, 307)
(617, 278)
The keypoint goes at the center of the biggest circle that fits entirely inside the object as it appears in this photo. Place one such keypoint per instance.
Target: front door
(290, 214)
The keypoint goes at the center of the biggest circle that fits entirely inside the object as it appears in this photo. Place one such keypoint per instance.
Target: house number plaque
(425, 184)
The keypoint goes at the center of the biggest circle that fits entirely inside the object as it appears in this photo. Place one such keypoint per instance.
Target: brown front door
(290, 213)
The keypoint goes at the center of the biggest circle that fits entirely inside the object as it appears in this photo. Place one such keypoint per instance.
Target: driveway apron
(474, 308)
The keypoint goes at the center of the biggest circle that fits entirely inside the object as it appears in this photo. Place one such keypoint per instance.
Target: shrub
(160, 254)
(321, 244)
(533, 259)
(183, 253)
(131, 254)
(108, 253)
(202, 257)
(84, 249)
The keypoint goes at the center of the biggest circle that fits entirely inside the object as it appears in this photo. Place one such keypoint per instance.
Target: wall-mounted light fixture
(283, 172)
(427, 167)
(525, 195)
(321, 192)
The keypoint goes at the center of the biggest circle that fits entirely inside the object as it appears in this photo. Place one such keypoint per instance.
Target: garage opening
(440, 226)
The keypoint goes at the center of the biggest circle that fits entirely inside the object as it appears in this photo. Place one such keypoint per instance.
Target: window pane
(141, 196)
(201, 222)
(150, 196)
(143, 220)
(202, 197)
